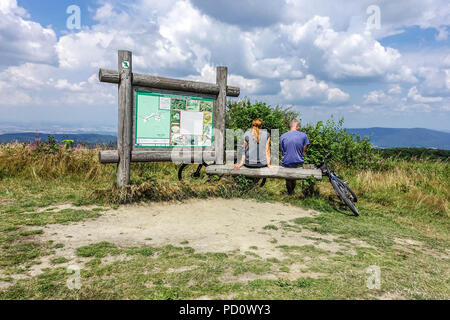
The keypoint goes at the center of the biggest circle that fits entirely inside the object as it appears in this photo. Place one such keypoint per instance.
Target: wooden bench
(276, 172)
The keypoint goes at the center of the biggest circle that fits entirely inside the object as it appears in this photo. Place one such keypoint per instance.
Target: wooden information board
(157, 115)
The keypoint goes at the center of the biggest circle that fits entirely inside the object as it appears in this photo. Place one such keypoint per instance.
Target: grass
(212, 275)
(59, 260)
(270, 227)
(407, 200)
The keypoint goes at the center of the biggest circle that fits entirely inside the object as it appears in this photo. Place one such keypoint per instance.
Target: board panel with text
(172, 120)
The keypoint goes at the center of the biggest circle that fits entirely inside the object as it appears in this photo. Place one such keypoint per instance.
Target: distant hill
(405, 138)
(381, 137)
(88, 138)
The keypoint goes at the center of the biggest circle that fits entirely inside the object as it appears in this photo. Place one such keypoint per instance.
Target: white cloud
(11, 7)
(355, 109)
(402, 74)
(442, 34)
(415, 96)
(308, 90)
(375, 97)
(12, 96)
(247, 14)
(72, 50)
(45, 85)
(28, 76)
(104, 13)
(296, 52)
(181, 41)
(63, 84)
(436, 82)
(208, 74)
(23, 40)
(342, 55)
(413, 108)
(446, 61)
(395, 89)
(347, 15)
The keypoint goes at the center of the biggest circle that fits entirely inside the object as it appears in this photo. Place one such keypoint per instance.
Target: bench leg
(256, 181)
(263, 182)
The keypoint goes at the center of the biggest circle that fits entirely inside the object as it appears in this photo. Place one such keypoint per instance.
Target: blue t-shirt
(291, 143)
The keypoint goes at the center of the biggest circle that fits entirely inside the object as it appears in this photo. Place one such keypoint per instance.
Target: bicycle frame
(325, 170)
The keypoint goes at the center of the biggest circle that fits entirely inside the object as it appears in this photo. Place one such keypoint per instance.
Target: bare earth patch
(216, 225)
(409, 245)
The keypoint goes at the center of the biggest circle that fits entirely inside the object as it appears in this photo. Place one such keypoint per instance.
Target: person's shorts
(255, 166)
(295, 165)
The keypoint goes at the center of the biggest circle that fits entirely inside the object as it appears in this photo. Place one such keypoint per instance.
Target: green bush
(49, 147)
(347, 149)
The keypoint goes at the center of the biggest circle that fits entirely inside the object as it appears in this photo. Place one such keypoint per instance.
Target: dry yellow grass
(18, 159)
(419, 183)
(412, 185)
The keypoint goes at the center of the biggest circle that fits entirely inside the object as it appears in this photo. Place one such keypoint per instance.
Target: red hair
(256, 126)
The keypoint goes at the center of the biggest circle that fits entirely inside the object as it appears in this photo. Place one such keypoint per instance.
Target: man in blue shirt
(293, 145)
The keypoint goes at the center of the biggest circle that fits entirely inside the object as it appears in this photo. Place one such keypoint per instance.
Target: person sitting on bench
(256, 146)
(293, 145)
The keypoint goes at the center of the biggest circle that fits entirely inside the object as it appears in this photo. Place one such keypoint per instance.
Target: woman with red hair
(256, 147)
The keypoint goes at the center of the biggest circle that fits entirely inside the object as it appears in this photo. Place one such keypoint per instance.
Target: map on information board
(171, 120)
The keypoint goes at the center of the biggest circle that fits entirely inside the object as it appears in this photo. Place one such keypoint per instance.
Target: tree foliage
(240, 115)
(415, 153)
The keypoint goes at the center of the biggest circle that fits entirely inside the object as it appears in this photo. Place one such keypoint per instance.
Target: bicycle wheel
(349, 192)
(340, 189)
(189, 170)
(355, 198)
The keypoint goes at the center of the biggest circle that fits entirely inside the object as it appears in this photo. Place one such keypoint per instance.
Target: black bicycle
(341, 188)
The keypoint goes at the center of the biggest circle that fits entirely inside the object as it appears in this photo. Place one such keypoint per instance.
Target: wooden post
(220, 110)
(124, 124)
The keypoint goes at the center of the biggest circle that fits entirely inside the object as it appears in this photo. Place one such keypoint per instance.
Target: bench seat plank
(276, 172)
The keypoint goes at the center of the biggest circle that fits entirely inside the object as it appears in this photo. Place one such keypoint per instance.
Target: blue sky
(318, 57)
(48, 12)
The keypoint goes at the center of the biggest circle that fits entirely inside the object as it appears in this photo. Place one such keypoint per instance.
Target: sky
(373, 62)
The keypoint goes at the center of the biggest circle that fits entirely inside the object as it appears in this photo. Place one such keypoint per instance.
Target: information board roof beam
(143, 80)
